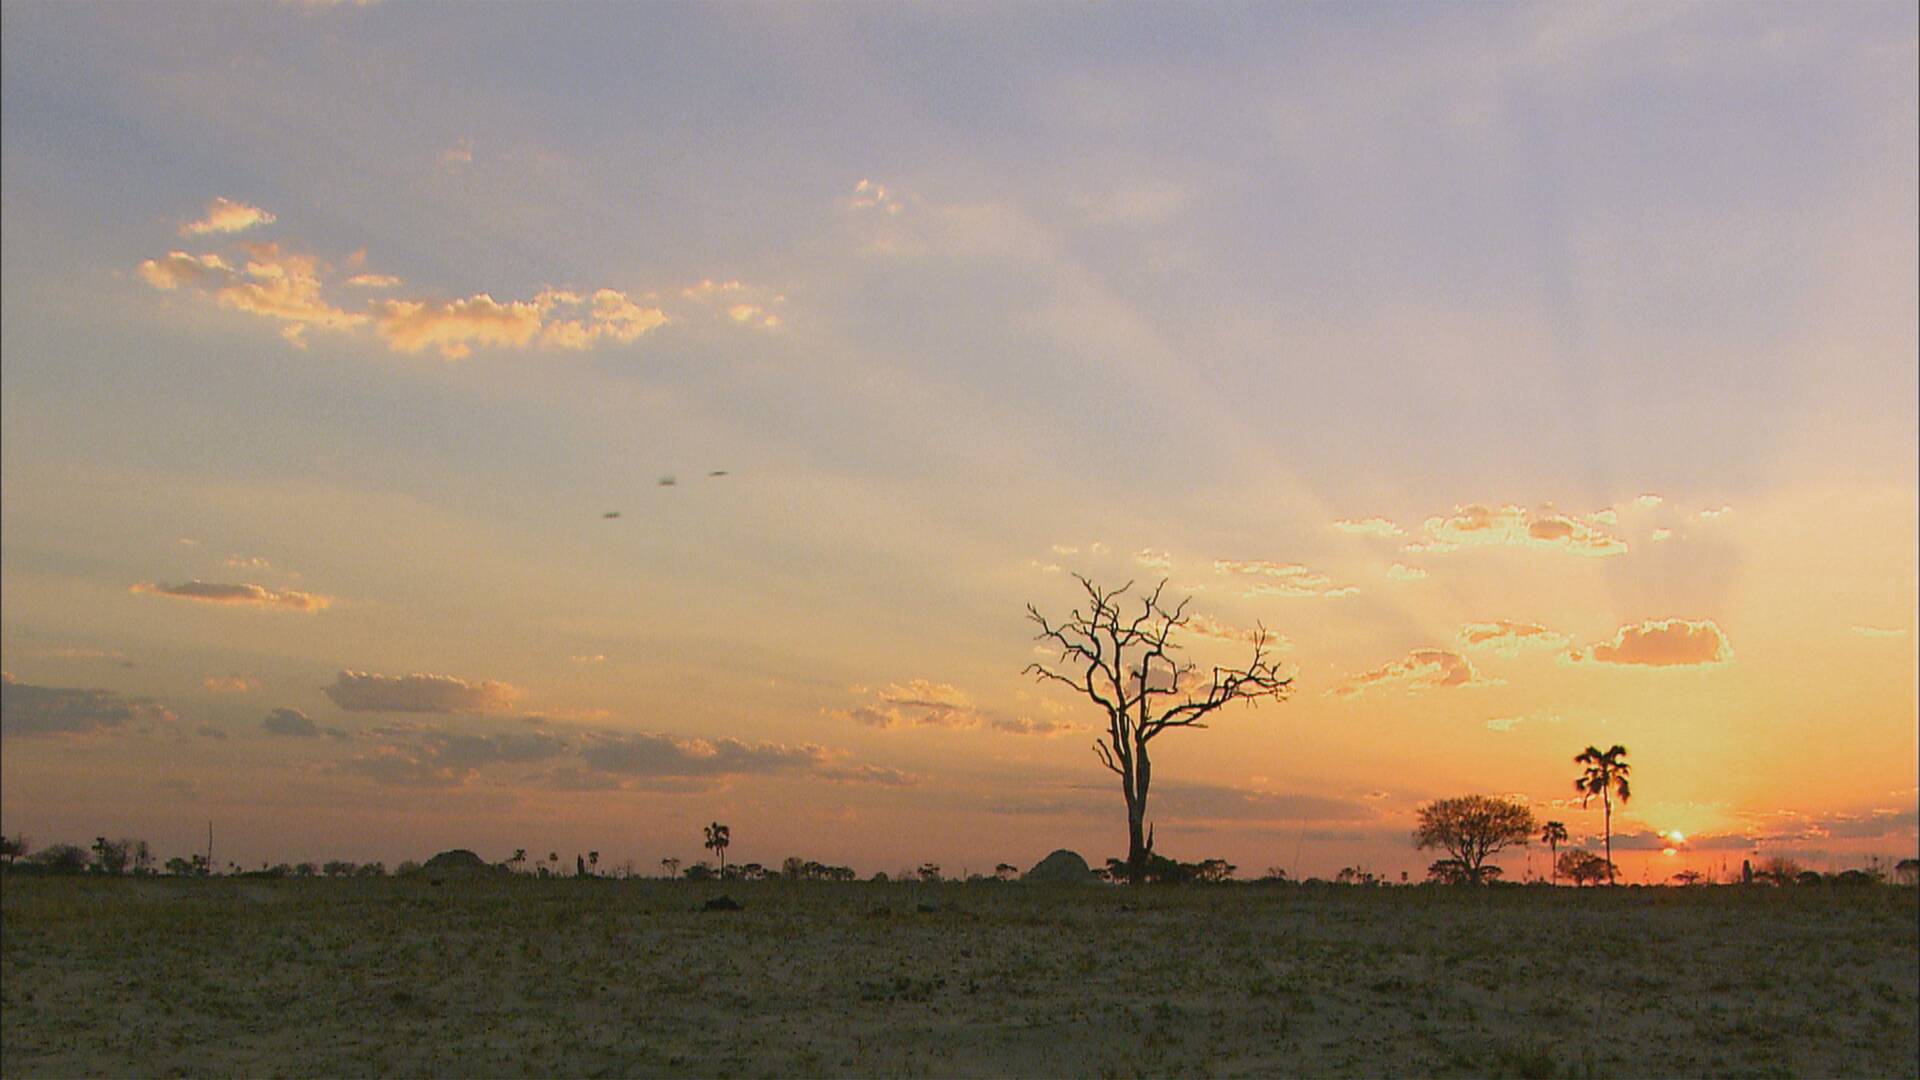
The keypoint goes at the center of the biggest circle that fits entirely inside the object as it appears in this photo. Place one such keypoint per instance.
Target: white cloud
(1401, 572)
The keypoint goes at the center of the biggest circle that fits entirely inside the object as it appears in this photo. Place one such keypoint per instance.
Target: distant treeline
(134, 858)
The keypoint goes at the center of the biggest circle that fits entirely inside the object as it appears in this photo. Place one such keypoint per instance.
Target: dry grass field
(525, 977)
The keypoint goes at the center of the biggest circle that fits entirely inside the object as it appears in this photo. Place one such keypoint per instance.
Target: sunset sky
(1545, 376)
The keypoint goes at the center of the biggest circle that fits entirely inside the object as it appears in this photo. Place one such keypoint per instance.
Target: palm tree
(1553, 836)
(718, 838)
(1606, 776)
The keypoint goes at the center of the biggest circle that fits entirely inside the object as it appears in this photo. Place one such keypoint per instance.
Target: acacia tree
(1128, 667)
(1606, 776)
(1472, 829)
(1553, 835)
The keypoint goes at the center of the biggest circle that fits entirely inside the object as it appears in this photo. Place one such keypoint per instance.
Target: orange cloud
(1284, 579)
(611, 315)
(179, 268)
(921, 703)
(1207, 626)
(1662, 643)
(228, 684)
(290, 288)
(1507, 638)
(1477, 525)
(214, 592)
(1421, 669)
(359, 691)
(454, 327)
(226, 216)
(1373, 526)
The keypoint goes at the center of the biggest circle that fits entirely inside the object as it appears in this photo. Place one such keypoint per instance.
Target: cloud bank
(359, 691)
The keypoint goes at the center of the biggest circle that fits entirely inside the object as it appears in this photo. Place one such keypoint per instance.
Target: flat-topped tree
(1128, 667)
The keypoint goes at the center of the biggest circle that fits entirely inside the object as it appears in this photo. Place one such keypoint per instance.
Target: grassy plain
(526, 977)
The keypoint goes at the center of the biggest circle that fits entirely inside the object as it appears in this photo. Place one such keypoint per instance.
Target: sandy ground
(361, 977)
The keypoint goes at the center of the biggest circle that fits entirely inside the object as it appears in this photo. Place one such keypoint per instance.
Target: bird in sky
(668, 481)
(611, 514)
(718, 472)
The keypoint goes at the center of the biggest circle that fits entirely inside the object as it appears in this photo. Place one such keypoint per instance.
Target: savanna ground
(591, 977)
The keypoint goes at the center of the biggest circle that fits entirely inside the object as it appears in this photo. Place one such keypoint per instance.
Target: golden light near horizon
(566, 454)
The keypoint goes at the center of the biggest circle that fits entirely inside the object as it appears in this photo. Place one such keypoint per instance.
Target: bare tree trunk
(1606, 800)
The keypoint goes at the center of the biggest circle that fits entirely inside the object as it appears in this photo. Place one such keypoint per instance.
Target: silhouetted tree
(1214, 871)
(1583, 867)
(718, 837)
(111, 856)
(1777, 869)
(1688, 877)
(929, 872)
(61, 859)
(179, 867)
(671, 865)
(1907, 871)
(372, 869)
(1127, 667)
(12, 847)
(1472, 829)
(593, 862)
(517, 859)
(699, 871)
(142, 853)
(306, 869)
(1006, 871)
(1606, 776)
(338, 868)
(1553, 835)
(1451, 872)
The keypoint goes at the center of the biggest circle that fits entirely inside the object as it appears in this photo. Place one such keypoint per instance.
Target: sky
(1541, 376)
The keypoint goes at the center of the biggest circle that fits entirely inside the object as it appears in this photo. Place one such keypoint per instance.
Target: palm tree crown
(1553, 835)
(1606, 776)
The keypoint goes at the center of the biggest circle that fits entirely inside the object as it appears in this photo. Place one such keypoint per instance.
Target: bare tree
(1128, 667)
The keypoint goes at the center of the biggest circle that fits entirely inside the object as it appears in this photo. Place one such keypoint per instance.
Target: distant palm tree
(1606, 776)
(593, 861)
(718, 837)
(671, 865)
(1553, 836)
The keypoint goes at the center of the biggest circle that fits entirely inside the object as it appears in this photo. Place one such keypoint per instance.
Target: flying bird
(668, 481)
(611, 514)
(718, 472)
